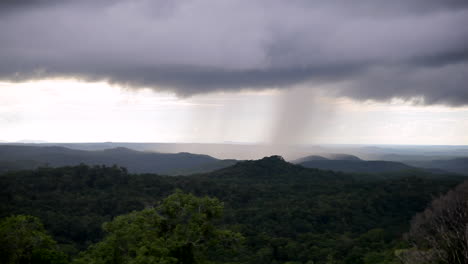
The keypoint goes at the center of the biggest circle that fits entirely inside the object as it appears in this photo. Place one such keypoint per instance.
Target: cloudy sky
(297, 71)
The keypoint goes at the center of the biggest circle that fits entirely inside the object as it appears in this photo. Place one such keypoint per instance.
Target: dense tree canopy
(286, 213)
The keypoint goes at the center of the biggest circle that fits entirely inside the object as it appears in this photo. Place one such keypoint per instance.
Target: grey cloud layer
(369, 49)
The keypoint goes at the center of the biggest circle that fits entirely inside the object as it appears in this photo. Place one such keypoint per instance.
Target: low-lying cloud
(367, 49)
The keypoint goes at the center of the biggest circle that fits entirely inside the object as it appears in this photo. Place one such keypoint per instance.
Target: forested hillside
(14, 157)
(361, 166)
(287, 213)
(457, 165)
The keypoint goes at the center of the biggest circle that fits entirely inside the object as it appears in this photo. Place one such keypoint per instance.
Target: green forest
(263, 211)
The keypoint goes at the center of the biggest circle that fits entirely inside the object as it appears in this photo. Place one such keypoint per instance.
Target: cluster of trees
(285, 213)
(439, 234)
(180, 230)
(23, 239)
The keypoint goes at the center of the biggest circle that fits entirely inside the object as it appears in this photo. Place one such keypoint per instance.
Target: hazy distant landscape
(166, 158)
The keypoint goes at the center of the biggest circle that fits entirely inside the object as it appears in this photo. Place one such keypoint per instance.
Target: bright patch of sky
(66, 110)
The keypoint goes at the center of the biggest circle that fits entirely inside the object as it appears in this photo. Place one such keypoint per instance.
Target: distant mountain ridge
(351, 163)
(457, 165)
(28, 157)
(328, 157)
(18, 157)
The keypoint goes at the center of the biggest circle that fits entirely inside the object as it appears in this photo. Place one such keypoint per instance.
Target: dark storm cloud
(368, 49)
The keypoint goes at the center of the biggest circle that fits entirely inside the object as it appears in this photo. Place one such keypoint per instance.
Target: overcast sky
(297, 71)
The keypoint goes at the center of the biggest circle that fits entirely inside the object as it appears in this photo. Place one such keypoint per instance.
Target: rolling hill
(14, 157)
(351, 163)
(457, 165)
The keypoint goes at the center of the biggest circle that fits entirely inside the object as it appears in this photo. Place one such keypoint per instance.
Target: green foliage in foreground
(23, 239)
(180, 230)
(286, 213)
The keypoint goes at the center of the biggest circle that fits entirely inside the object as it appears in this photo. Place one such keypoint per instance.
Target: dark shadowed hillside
(351, 163)
(13, 157)
(377, 166)
(457, 165)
